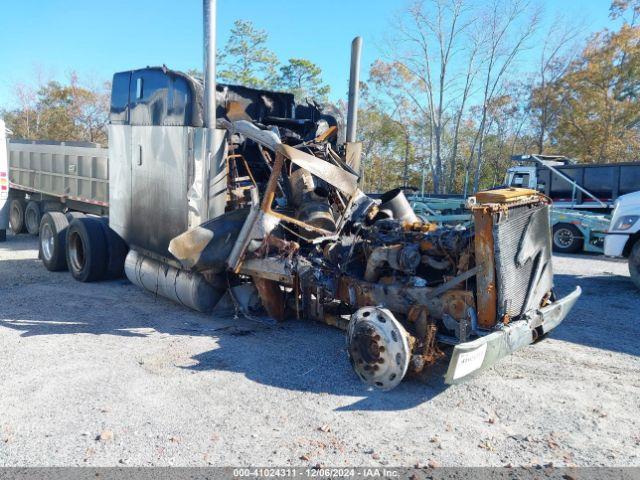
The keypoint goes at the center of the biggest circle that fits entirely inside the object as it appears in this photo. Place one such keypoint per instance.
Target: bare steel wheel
(46, 241)
(53, 233)
(76, 251)
(378, 347)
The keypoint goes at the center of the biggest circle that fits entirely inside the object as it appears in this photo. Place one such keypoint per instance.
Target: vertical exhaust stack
(354, 89)
(353, 148)
(215, 167)
(209, 47)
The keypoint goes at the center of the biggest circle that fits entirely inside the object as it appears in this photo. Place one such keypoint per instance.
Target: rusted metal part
(404, 258)
(456, 303)
(398, 298)
(328, 133)
(272, 296)
(255, 229)
(424, 347)
(506, 195)
(208, 246)
(312, 202)
(271, 268)
(335, 320)
(486, 277)
(337, 177)
(454, 282)
(272, 244)
(269, 196)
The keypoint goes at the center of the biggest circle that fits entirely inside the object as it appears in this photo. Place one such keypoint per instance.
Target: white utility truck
(623, 236)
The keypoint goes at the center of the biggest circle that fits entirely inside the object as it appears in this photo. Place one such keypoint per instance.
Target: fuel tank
(187, 288)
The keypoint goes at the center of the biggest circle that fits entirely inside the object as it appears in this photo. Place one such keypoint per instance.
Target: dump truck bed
(74, 171)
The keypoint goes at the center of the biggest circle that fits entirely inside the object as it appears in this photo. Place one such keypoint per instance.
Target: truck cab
(623, 236)
(523, 176)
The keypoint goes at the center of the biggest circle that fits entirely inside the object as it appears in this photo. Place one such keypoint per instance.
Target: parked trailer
(222, 190)
(591, 187)
(55, 176)
(443, 210)
(4, 183)
(583, 195)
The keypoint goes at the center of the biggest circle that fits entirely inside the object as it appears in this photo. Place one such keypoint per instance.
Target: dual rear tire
(16, 215)
(86, 246)
(24, 216)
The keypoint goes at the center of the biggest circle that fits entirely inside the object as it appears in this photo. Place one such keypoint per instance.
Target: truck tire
(16, 216)
(86, 249)
(3, 235)
(634, 264)
(567, 238)
(32, 217)
(53, 241)
(116, 252)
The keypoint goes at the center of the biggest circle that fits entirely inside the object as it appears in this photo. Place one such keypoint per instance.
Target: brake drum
(378, 347)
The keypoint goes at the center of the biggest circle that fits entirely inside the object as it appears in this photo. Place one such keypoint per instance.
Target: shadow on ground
(295, 355)
(606, 314)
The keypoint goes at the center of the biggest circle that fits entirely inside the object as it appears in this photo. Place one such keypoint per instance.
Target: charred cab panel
(154, 119)
(158, 169)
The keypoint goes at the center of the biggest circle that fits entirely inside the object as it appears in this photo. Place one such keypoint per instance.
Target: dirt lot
(105, 374)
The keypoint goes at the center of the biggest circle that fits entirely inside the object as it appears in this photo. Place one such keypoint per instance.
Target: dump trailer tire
(86, 249)
(16, 216)
(116, 252)
(567, 238)
(634, 264)
(53, 241)
(32, 217)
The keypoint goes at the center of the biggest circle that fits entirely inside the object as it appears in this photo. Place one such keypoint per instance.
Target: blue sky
(97, 38)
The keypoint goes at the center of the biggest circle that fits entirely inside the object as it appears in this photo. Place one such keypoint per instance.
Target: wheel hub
(563, 237)
(76, 252)
(46, 241)
(378, 347)
(14, 216)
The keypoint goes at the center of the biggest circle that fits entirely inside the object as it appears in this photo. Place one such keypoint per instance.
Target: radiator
(522, 249)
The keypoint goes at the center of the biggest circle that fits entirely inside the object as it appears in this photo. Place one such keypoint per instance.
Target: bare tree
(429, 38)
(558, 51)
(503, 32)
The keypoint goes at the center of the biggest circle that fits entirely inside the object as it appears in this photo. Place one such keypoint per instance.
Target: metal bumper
(614, 243)
(472, 357)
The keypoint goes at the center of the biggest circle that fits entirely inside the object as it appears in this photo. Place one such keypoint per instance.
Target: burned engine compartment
(297, 227)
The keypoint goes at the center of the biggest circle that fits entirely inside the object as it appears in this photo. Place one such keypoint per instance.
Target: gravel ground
(105, 374)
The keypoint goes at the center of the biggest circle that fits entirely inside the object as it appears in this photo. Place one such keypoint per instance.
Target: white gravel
(105, 374)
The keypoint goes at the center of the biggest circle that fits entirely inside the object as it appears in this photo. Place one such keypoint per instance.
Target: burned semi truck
(218, 189)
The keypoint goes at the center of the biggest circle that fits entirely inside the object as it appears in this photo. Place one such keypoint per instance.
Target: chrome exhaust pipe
(209, 48)
(354, 89)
